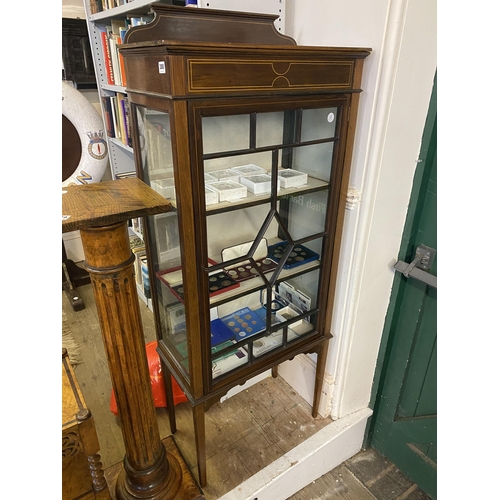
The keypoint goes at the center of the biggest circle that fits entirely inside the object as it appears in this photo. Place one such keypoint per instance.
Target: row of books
(100, 5)
(111, 37)
(117, 117)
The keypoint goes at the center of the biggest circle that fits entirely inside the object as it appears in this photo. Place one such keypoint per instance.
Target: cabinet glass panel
(314, 160)
(165, 268)
(216, 137)
(318, 124)
(156, 150)
(269, 129)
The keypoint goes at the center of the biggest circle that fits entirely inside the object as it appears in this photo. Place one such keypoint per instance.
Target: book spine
(107, 58)
(126, 133)
(114, 59)
(128, 127)
(121, 115)
(110, 130)
(114, 112)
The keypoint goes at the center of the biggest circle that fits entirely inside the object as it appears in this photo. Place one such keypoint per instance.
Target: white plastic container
(249, 169)
(258, 183)
(211, 196)
(165, 187)
(291, 178)
(229, 190)
(209, 179)
(225, 175)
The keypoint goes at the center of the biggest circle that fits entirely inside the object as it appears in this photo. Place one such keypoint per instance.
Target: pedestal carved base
(181, 484)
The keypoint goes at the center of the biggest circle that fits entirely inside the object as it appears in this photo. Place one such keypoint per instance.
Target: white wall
(397, 84)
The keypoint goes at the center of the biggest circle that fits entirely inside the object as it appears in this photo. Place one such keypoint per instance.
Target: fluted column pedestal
(148, 471)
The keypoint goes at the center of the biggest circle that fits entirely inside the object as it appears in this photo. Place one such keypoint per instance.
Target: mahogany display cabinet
(249, 136)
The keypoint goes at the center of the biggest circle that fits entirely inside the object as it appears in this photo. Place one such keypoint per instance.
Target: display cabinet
(249, 137)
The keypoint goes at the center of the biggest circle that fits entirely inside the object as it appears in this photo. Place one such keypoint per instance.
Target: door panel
(404, 423)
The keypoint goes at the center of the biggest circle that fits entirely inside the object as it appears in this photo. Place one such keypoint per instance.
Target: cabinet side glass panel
(165, 268)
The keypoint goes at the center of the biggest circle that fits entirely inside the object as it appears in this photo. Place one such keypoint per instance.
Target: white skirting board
(307, 462)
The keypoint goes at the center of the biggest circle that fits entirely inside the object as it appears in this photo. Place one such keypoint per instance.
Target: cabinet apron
(89, 125)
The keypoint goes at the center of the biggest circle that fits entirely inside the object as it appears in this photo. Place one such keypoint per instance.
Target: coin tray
(219, 332)
(300, 254)
(246, 271)
(218, 281)
(244, 323)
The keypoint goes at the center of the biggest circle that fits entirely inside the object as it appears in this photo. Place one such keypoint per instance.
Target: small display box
(291, 178)
(249, 169)
(211, 196)
(209, 179)
(165, 187)
(229, 190)
(257, 183)
(229, 361)
(225, 175)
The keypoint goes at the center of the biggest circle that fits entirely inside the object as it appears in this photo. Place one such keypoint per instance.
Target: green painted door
(403, 426)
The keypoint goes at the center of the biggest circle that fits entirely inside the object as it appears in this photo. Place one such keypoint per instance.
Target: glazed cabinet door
(269, 177)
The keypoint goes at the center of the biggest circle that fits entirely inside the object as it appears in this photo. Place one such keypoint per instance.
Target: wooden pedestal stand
(151, 469)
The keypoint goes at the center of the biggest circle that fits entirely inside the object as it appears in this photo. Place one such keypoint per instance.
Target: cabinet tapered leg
(318, 383)
(169, 392)
(199, 436)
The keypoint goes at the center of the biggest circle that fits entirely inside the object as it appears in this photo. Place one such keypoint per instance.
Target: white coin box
(229, 190)
(249, 169)
(257, 184)
(165, 187)
(209, 179)
(211, 196)
(225, 175)
(291, 178)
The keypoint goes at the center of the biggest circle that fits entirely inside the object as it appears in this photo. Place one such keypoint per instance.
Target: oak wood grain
(107, 202)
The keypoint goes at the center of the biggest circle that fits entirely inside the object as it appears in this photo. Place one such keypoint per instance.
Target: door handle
(418, 267)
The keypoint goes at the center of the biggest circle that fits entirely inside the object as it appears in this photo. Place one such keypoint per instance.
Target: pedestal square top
(108, 202)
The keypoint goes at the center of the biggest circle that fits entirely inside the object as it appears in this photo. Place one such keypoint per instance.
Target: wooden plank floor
(244, 434)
